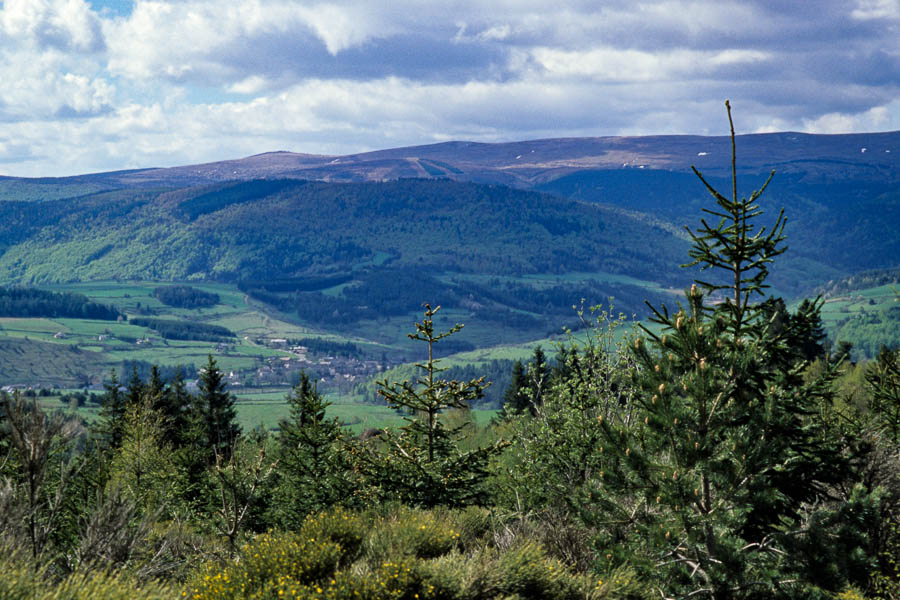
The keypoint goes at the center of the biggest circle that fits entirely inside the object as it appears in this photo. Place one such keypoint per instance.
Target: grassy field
(75, 353)
(80, 352)
(856, 302)
(265, 408)
(868, 318)
(43, 341)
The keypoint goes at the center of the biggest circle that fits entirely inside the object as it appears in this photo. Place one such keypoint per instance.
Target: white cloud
(184, 81)
(497, 32)
(342, 27)
(42, 86)
(67, 25)
(250, 85)
(876, 9)
(614, 64)
(194, 39)
(878, 118)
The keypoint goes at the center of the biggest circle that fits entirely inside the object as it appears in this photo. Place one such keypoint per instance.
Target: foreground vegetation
(720, 452)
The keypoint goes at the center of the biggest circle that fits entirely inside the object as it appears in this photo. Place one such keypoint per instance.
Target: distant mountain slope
(866, 156)
(278, 229)
(195, 221)
(843, 225)
(822, 158)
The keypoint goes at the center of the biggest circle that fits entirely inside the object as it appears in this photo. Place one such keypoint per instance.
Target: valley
(508, 238)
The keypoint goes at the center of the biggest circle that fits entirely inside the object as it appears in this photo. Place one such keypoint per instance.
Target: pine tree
(155, 388)
(538, 378)
(311, 472)
(883, 381)
(527, 387)
(142, 468)
(112, 412)
(135, 387)
(173, 403)
(216, 407)
(708, 485)
(423, 465)
(515, 398)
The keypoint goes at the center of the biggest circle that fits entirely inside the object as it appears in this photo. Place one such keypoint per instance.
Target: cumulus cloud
(64, 25)
(617, 65)
(878, 118)
(181, 81)
(194, 40)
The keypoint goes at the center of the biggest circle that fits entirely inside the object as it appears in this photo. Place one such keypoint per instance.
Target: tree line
(185, 330)
(32, 302)
(185, 296)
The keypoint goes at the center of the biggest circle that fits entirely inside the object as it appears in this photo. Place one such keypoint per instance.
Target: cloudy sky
(96, 85)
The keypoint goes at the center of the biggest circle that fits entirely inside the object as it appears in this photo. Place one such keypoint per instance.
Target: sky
(101, 85)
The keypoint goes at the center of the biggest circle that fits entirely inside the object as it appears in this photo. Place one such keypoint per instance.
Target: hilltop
(528, 164)
(838, 192)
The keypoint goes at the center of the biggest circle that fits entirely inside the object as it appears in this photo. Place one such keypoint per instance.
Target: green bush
(285, 560)
(344, 528)
(20, 578)
(402, 554)
(410, 533)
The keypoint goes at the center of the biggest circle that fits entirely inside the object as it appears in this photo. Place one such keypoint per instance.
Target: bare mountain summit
(820, 158)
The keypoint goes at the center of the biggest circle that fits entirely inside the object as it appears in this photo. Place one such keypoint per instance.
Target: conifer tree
(176, 409)
(112, 412)
(708, 486)
(135, 387)
(142, 468)
(155, 388)
(527, 386)
(538, 378)
(515, 398)
(423, 465)
(311, 471)
(883, 381)
(216, 407)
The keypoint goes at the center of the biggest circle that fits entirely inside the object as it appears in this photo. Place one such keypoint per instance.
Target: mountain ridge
(528, 163)
(212, 221)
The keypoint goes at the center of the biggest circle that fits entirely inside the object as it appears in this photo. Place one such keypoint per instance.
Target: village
(335, 371)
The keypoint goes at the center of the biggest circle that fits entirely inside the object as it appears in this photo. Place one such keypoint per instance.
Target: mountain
(610, 204)
(816, 158)
(269, 229)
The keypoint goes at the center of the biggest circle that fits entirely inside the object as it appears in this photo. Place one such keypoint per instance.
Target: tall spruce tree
(216, 408)
(142, 469)
(112, 412)
(135, 390)
(311, 473)
(515, 397)
(424, 464)
(706, 488)
(176, 409)
(527, 387)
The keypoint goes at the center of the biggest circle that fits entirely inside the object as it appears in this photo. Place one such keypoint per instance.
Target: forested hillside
(267, 230)
(274, 221)
(30, 302)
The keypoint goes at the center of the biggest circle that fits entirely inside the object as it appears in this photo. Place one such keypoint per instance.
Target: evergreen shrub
(404, 554)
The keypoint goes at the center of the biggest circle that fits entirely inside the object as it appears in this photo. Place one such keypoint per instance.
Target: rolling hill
(580, 217)
(507, 237)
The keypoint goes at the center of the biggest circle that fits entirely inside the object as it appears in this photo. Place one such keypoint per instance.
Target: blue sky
(110, 84)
